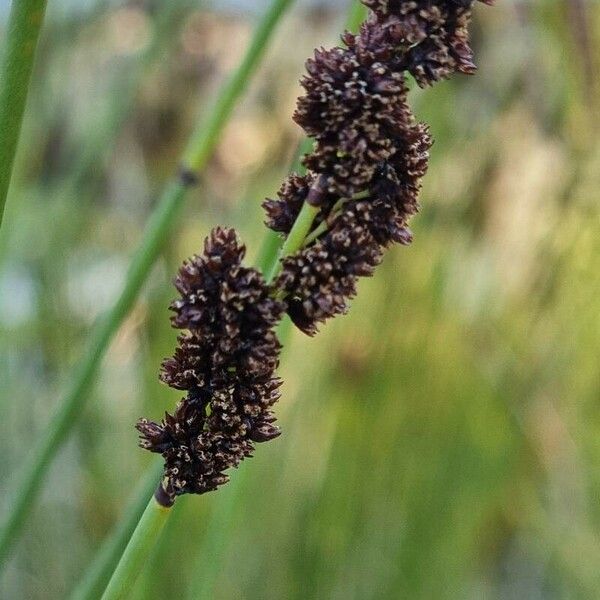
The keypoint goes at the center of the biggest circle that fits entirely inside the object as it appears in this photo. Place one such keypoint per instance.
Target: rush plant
(360, 189)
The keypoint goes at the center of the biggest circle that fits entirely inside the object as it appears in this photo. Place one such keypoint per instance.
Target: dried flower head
(199, 445)
(369, 153)
(225, 361)
(367, 144)
(282, 212)
(433, 34)
(320, 279)
(229, 313)
(354, 109)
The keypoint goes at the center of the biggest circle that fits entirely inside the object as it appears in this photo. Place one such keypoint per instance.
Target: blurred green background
(440, 441)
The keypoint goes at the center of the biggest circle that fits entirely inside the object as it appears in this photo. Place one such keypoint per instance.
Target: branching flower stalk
(355, 200)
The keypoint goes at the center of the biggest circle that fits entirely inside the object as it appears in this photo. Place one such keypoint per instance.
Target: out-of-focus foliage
(440, 441)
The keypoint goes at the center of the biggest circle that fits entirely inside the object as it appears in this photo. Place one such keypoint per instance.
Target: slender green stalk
(98, 573)
(268, 261)
(152, 574)
(200, 147)
(317, 231)
(335, 211)
(24, 25)
(143, 539)
(295, 239)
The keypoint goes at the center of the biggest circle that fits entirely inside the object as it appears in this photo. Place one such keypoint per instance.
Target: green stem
(199, 150)
(142, 541)
(24, 24)
(299, 236)
(97, 575)
(319, 230)
(295, 239)
(335, 211)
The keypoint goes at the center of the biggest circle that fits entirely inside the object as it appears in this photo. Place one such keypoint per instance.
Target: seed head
(199, 445)
(354, 107)
(321, 279)
(225, 360)
(432, 33)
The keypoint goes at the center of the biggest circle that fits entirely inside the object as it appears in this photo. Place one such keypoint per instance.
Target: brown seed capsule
(264, 432)
(321, 279)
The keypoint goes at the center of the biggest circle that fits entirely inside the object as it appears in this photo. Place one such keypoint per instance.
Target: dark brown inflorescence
(319, 279)
(225, 361)
(431, 35)
(369, 153)
(363, 180)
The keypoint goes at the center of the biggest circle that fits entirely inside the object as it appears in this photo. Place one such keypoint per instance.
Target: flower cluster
(369, 153)
(225, 361)
(363, 180)
(431, 35)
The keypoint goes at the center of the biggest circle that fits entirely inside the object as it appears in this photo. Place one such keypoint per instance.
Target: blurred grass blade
(24, 24)
(216, 539)
(199, 150)
(98, 573)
